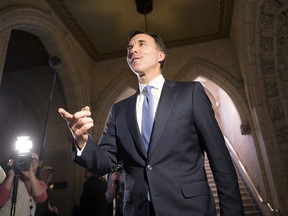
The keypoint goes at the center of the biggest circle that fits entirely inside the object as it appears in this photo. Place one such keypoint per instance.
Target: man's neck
(147, 78)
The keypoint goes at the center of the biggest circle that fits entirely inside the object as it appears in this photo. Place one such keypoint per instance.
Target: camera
(22, 162)
(22, 158)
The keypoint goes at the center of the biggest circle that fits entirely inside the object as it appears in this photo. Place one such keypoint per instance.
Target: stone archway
(55, 39)
(101, 107)
(217, 81)
(58, 42)
(234, 88)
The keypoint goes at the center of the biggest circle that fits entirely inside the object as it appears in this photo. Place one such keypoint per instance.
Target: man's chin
(138, 73)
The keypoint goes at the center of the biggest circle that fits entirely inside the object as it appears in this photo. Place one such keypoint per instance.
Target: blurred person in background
(46, 208)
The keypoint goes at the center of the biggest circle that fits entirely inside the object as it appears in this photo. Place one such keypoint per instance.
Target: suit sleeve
(213, 143)
(99, 158)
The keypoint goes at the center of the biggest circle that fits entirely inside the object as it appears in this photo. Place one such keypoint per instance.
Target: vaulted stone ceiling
(102, 27)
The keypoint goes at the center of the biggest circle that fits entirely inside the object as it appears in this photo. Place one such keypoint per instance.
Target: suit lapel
(133, 125)
(165, 105)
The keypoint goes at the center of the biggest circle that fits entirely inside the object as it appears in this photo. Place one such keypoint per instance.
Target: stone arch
(55, 39)
(19, 115)
(234, 88)
(59, 42)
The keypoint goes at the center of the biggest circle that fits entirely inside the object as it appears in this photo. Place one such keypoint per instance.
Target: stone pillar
(4, 41)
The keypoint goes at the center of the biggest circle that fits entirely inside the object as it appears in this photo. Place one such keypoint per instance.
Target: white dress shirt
(157, 85)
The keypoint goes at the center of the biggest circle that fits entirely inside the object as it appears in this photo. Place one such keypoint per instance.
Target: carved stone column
(4, 41)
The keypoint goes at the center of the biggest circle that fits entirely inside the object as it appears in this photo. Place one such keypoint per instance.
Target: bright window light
(23, 144)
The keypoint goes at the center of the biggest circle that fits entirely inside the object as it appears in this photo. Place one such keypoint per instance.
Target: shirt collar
(157, 83)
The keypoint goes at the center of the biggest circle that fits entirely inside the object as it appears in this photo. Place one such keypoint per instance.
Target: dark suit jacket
(173, 167)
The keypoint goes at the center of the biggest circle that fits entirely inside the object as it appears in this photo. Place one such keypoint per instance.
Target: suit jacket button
(143, 197)
(149, 167)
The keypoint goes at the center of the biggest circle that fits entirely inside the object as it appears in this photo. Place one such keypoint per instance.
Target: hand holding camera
(22, 165)
(9, 168)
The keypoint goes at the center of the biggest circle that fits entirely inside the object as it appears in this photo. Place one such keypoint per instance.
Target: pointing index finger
(66, 115)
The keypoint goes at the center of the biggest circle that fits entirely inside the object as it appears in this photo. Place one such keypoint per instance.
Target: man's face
(143, 54)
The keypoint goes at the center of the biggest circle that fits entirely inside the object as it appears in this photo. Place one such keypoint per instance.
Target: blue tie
(147, 116)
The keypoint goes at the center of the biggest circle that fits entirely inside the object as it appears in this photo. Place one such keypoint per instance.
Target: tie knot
(147, 89)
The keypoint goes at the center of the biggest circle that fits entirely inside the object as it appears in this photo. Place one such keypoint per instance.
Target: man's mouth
(134, 59)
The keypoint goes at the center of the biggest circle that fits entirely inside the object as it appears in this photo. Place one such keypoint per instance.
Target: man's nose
(134, 49)
(131, 52)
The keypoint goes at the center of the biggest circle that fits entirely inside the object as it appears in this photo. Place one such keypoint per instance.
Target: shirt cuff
(79, 151)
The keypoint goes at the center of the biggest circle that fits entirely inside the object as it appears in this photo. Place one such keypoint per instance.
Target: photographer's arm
(38, 187)
(6, 185)
(8, 182)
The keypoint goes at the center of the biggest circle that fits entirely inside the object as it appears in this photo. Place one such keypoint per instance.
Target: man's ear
(161, 56)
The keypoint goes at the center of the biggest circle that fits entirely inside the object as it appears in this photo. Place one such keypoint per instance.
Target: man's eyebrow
(141, 40)
(138, 41)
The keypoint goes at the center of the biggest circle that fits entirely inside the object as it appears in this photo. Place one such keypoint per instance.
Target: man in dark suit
(166, 176)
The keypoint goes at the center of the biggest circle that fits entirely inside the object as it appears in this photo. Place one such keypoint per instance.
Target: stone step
(250, 206)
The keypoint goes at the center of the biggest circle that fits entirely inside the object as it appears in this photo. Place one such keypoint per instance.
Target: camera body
(22, 162)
